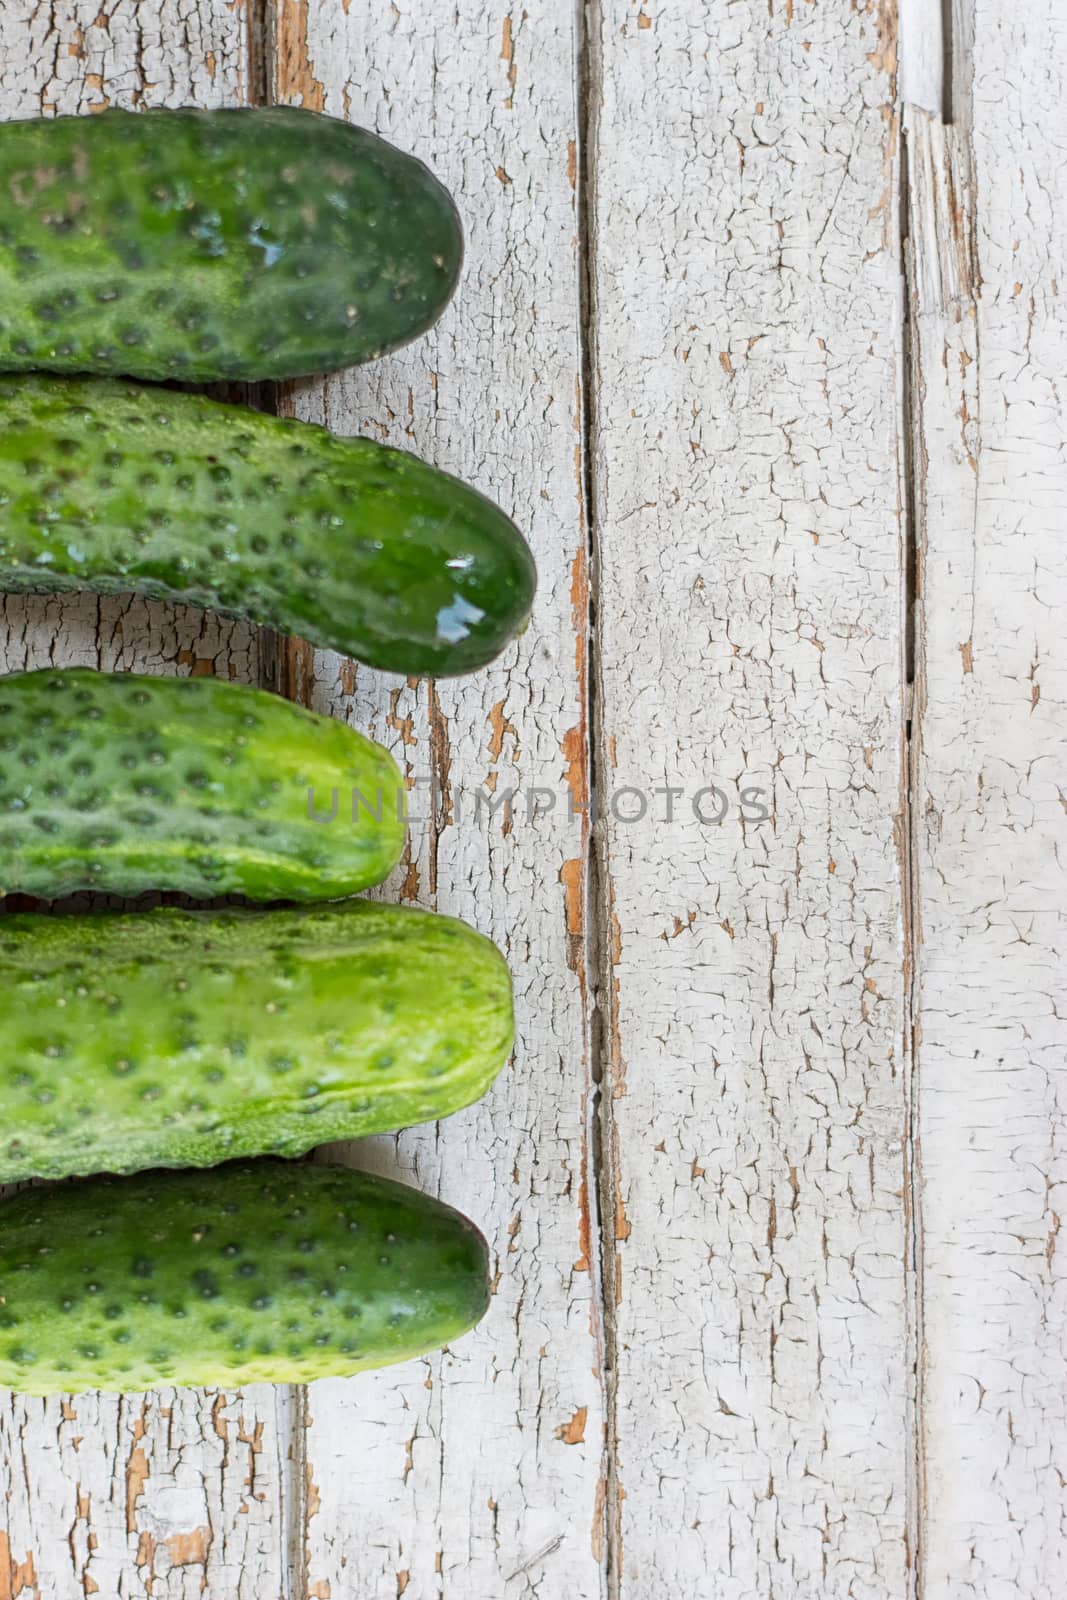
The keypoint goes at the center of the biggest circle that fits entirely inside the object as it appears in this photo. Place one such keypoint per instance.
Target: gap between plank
(953, 26)
(599, 895)
(911, 453)
(948, 62)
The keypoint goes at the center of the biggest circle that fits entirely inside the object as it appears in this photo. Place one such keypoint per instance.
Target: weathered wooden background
(762, 339)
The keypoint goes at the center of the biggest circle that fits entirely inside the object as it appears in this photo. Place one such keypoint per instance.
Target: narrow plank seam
(939, 265)
(914, 465)
(599, 899)
(942, 271)
(912, 458)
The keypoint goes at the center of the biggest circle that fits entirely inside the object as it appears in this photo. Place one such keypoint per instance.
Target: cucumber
(356, 547)
(215, 244)
(127, 784)
(258, 1272)
(180, 1038)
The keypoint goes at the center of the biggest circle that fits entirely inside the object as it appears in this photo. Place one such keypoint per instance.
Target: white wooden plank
(479, 1473)
(990, 239)
(178, 1493)
(747, 522)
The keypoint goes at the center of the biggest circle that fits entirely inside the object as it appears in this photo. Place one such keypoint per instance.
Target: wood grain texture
(479, 1472)
(748, 530)
(177, 1493)
(989, 238)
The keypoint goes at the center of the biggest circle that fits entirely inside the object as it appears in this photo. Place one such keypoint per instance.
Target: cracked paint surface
(747, 523)
(988, 201)
(764, 1150)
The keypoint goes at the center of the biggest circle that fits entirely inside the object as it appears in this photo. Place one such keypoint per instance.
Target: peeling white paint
(748, 520)
(990, 201)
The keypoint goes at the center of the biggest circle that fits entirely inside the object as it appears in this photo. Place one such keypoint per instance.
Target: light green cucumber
(181, 1038)
(126, 784)
(256, 1272)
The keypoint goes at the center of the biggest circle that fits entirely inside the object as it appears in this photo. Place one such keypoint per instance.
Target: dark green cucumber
(261, 1271)
(126, 784)
(215, 244)
(355, 547)
(178, 1038)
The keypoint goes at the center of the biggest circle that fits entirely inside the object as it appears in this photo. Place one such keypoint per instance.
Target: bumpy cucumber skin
(215, 244)
(257, 1272)
(354, 546)
(126, 784)
(179, 1038)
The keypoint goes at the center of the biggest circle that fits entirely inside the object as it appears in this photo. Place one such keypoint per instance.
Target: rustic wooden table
(762, 339)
